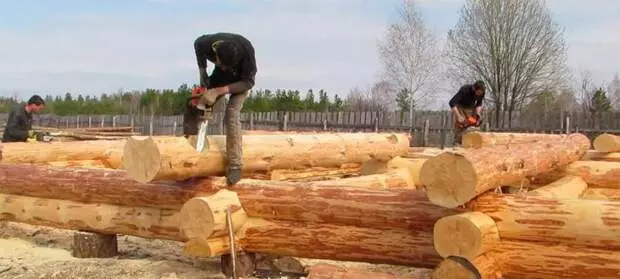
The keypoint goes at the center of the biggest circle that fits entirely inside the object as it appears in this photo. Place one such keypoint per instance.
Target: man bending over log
(234, 74)
(19, 125)
(467, 102)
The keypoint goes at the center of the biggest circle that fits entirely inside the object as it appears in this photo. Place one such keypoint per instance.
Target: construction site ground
(34, 252)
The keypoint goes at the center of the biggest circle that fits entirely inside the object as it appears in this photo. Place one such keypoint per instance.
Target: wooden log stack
(560, 230)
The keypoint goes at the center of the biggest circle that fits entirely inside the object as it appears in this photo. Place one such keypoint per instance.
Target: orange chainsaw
(470, 121)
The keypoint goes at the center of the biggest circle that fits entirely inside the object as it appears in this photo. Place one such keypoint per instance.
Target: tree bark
(341, 243)
(557, 261)
(146, 160)
(313, 201)
(452, 179)
(485, 139)
(100, 218)
(589, 223)
(607, 143)
(597, 174)
(94, 245)
(41, 153)
(328, 271)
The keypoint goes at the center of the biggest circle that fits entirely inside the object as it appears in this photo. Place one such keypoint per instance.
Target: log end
(607, 143)
(207, 248)
(449, 179)
(141, 158)
(472, 140)
(466, 235)
(461, 268)
(204, 217)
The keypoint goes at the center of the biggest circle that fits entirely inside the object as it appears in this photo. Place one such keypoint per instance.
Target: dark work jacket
(466, 98)
(18, 125)
(243, 75)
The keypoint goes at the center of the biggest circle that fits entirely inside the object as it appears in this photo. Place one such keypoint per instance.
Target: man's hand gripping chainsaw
(204, 100)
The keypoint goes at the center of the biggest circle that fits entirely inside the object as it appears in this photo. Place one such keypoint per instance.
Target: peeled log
(592, 155)
(394, 179)
(602, 194)
(86, 164)
(328, 271)
(452, 179)
(101, 218)
(590, 223)
(41, 153)
(341, 243)
(550, 261)
(206, 217)
(313, 202)
(207, 248)
(607, 143)
(413, 165)
(313, 174)
(570, 187)
(484, 139)
(597, 174)
(485, 266)
(113, 158)
(147, 160)
(466, 235)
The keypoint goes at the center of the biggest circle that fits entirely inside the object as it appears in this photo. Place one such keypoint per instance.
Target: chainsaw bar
(201, 141)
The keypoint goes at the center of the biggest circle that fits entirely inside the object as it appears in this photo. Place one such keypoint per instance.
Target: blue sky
(89, 47)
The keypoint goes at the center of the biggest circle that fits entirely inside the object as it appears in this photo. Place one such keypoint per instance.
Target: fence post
(77, 121)
(427, 125)
(67, 121)
(251, 121)
(131, 123)
(151, 126)
(442, 135)
(376, 121)
(102, 120)
(325, 124)
(567, 125)
(284, 121)
(114, 121)
(90, 121)
(174, 128)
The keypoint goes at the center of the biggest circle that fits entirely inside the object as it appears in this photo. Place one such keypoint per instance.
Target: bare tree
(380, 97)
(513, 45)
(614, 91)
(409, 55)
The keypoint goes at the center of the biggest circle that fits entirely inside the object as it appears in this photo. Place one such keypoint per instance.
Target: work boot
(208, 99)
(233, 176)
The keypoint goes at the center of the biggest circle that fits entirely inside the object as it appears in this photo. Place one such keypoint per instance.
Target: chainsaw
(41, 137)
(471, 121)
(201, 138)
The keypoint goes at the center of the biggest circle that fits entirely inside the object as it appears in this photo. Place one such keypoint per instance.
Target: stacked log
(146, 159)
(454, 178)
(326, 271)
(476, 139)
(607, 143)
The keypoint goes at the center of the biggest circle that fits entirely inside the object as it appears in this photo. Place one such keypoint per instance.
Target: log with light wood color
(413, 165)
(593, 155)
(454, 178)
(328, 271)
(41, 153)
(607, 143)
(146, 159)
(207, 248)
(86, 164)
(590, 223)
(467, 235)
(566, 187)
(314, 174)
(309, 201)
(554, 261)
(343, 243)
(100, 218)
(597, 174)
(393, 179)
(205, 217)
(477, 139)
(604, 194)
(485, 266)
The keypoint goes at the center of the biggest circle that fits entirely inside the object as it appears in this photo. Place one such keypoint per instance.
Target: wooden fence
(430, 128)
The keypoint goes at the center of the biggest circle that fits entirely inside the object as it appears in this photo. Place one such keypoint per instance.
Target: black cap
(36, 99)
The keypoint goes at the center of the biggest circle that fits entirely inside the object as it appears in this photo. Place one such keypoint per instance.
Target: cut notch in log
(570, 187)
(467, 235)
(597, 174)
(452, 179)
(94, 245)
(207, 248)
(328, 271)
(607, 143)
(205, 217)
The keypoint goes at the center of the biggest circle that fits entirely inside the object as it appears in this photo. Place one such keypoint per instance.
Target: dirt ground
(31, 252)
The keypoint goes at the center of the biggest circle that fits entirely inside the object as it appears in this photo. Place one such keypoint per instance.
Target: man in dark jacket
(19, 125)
(467, 102)
(234, 74)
